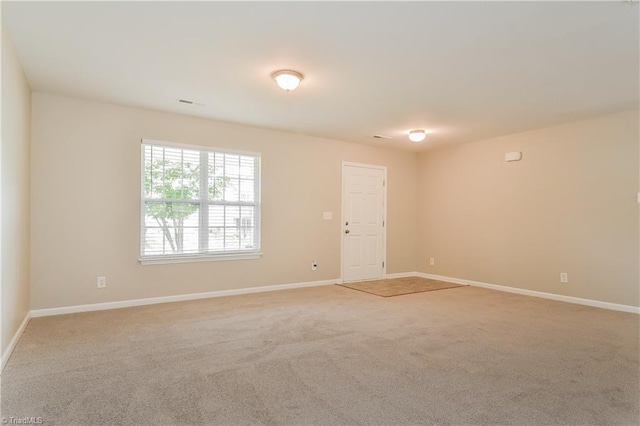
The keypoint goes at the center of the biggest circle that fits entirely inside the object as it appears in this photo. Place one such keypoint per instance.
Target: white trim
(159, 260)
(364, 166)
(543, 295)
(177, 298)
(198, 147)
(14, 341)
(384, 218)
(342, 221)
(385, 223)
(402, 275)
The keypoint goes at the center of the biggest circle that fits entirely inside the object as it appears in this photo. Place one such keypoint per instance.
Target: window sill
(198, 258)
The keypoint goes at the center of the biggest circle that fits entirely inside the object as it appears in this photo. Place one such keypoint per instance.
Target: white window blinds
(198, 202)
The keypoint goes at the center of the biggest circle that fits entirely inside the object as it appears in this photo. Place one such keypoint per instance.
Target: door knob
(347, 231)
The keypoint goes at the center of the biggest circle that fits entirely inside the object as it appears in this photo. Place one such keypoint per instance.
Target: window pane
(232, 165)
(247, 228)
(216, 239)
(216, 176)
(189, 186)
(231, 239)
(232, 216)
(247, 215)
(231, 228)
(154, 173)
(246, 238)
(216, 215)
(232, 190)
(190, 240)
(171, 173)
(171, 227)
(247, 190)
(247, 167)
(153, 241)
(157, 213)
(146, 174)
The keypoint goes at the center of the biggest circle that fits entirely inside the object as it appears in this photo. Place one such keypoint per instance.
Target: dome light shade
(417, 135)
(287, 79)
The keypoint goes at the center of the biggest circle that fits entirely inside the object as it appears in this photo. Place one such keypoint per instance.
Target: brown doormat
(399, 286)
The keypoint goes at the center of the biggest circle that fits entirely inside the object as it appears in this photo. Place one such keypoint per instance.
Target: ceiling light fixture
(417, 135)
(287, 79)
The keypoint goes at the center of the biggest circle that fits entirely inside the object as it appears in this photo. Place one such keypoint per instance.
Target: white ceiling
(464, 71)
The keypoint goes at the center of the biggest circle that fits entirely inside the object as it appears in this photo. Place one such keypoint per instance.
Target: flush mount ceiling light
(417, 135)
(287, 79)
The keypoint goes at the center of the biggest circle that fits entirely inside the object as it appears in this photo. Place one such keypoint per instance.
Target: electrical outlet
(432, 261)
(564, 277)
(102, 282)
(314, 266)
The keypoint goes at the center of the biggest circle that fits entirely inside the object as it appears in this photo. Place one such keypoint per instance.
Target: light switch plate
(327, 215)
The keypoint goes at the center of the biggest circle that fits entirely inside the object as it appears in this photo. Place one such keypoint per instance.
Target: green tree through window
(196, 199)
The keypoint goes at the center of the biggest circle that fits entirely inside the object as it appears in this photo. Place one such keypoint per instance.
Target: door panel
(363, 216)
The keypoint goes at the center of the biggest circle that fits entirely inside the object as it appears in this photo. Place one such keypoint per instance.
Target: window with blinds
(199, 203)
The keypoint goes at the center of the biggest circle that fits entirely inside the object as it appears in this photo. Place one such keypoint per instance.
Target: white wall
(569, 206)
(86, 204)
(15, 175)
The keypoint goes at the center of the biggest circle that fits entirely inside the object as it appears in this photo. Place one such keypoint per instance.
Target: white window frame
(204, 207)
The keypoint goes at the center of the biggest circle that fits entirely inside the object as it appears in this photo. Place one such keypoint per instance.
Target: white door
(363, 210)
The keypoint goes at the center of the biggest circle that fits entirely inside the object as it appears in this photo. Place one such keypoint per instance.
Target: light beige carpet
(331, 356)
(399, 286)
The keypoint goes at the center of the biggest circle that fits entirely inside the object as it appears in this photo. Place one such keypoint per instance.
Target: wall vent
(190, 102)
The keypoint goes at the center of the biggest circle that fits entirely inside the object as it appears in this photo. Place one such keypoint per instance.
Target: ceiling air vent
(188, 102)
(381, 137)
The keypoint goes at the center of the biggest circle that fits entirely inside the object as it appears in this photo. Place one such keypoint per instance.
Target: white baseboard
(194, 296)
(402, 275)
(177, 298)
(14, 341)
(522, 291)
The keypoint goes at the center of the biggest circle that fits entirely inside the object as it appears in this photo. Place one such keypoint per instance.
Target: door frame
(384, 217)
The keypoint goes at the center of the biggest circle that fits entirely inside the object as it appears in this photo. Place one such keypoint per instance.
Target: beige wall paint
(86, 204)
(16, 117)
(568, 206)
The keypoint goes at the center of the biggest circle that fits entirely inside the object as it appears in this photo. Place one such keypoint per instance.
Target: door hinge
(383, 263)
(384, 182)
(383, 223)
